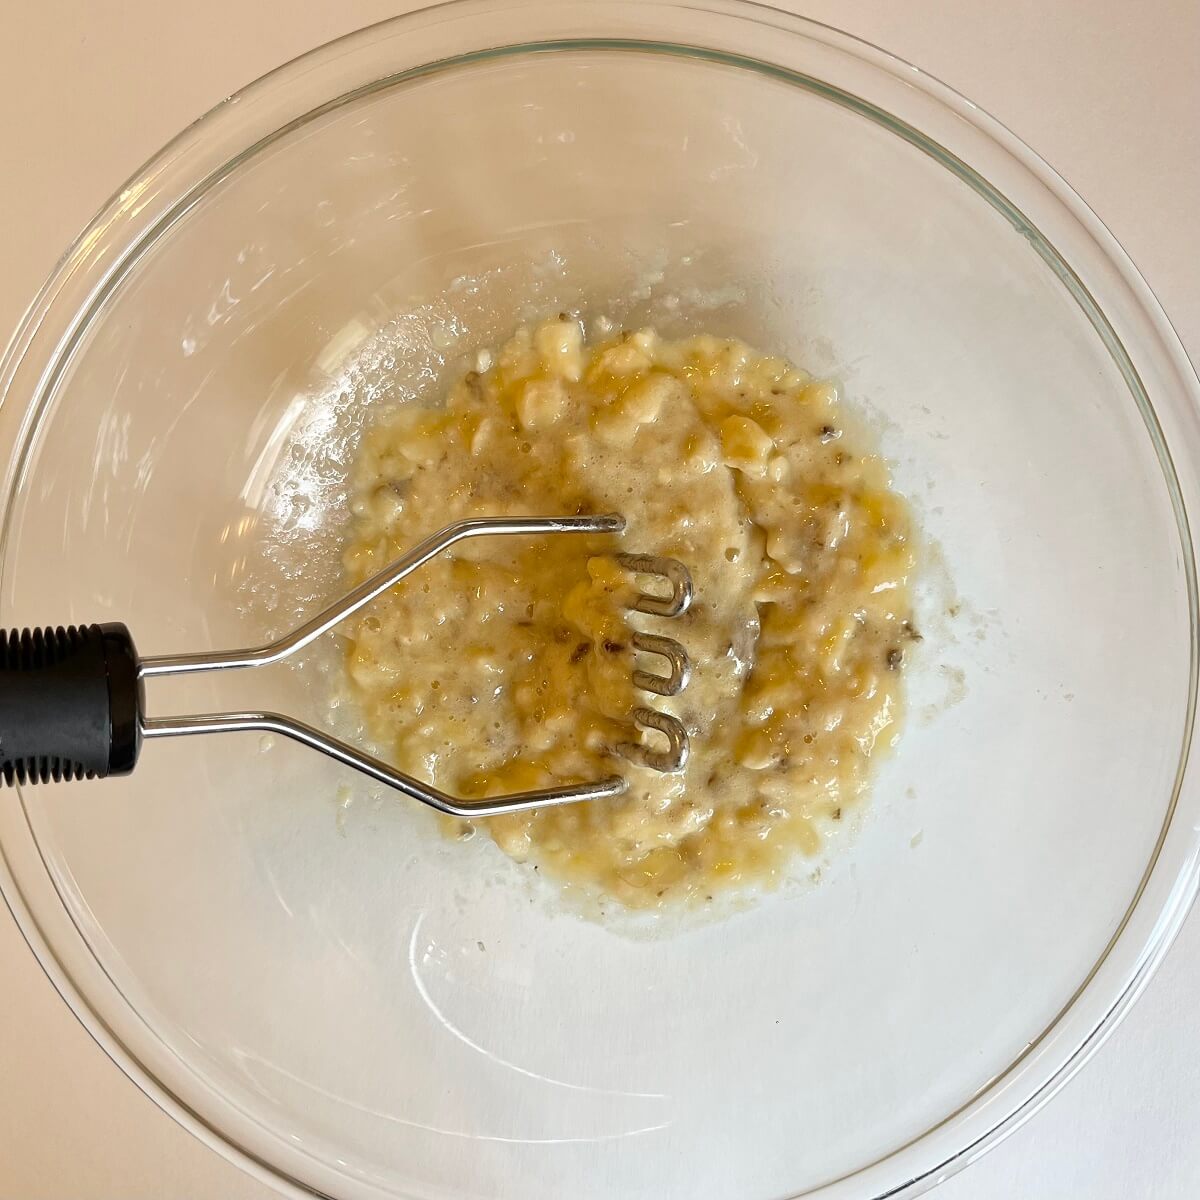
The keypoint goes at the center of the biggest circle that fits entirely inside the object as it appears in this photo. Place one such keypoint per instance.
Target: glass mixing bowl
(306, 974)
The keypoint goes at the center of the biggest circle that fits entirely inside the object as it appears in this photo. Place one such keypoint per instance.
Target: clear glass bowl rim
(162, 191)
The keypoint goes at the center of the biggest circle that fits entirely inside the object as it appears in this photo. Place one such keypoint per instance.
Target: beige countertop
(1106, 90)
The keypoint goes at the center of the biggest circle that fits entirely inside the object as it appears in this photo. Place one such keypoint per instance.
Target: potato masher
(72, 700)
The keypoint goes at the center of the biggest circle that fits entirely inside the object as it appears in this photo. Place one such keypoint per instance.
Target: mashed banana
(506, 663)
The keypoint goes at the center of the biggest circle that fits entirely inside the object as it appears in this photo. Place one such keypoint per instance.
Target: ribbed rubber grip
(70, 703)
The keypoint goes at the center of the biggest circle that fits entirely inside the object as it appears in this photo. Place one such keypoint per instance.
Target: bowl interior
(340, 991)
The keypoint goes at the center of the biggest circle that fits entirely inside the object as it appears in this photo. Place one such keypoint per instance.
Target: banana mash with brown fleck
(506, 663)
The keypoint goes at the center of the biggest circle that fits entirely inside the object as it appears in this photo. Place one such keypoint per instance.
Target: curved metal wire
(680, 666)
(348, 605)
(674, 757)
(673, 571)
(298, 731)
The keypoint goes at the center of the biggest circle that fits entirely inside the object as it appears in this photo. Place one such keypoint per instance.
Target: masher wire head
(671, 758)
